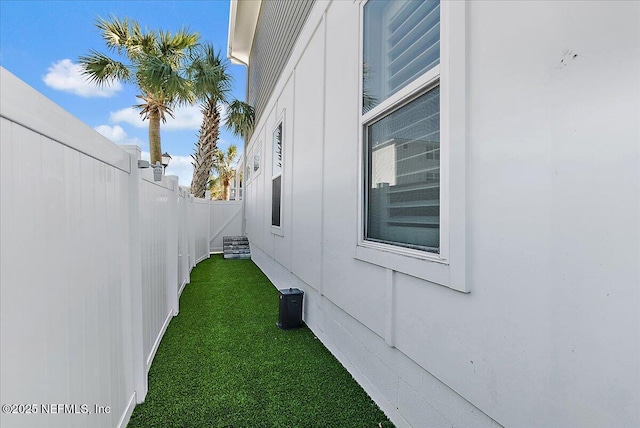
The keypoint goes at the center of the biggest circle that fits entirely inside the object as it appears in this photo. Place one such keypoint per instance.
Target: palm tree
(212, 85)
(156, 62)
(216, 189)
(223, 166)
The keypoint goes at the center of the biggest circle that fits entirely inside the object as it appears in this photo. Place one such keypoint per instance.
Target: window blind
(402, 42)
(404, 175)
(413, 42)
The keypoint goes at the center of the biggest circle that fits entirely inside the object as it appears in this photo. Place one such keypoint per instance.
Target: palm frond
(208, 71)
(240, 118)
(115, 32)
(223, 164)
(159, 77)
(102, 70)
(175, 47)
(154, 104)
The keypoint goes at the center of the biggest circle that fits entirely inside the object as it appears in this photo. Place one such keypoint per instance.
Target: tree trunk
(226, 185)
(154, 137)
(207, 141)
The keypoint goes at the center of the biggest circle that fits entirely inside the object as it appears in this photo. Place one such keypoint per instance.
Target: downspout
(245, 163)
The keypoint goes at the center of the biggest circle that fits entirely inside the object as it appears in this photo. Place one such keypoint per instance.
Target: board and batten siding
(552, 309)
(279, 25)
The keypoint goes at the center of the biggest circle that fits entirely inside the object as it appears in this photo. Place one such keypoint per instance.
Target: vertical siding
(278, 27)
(201, 217)
(552, 312)
(225, 220)
(64, 220)
(90, 264)
(153, 220)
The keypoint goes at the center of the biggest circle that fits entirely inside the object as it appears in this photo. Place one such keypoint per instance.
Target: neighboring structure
(455, 186)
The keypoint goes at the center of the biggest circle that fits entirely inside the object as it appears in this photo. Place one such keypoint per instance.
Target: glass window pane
(403, 175)
(277, 151)
(276, 192)
(256, 161)
(276, 182)
(401, 42)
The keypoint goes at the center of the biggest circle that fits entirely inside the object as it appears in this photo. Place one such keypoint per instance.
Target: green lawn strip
(224, 363)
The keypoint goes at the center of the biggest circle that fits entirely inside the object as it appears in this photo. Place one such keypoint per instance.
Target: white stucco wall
(549, 335)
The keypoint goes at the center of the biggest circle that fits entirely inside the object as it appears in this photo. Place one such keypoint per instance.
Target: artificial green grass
(224, 363)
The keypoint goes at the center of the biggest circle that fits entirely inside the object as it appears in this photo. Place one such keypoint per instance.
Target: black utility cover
(290, 308)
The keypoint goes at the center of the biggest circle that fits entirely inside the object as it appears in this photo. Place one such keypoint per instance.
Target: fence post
(183, 241)
(207, 197)
(135, 267)
(171, 229)
(192, 237)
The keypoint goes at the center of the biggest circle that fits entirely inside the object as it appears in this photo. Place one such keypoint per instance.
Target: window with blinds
(402, 141)
(403, 192)
(401, 43)
(256, 160)
(276, 177)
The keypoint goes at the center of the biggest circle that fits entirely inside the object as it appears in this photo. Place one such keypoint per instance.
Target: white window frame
(278, 230)
(448, 267)
(256, 151)
(248, 169)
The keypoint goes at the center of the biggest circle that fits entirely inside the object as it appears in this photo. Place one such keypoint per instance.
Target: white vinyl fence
(94, 256)
(226, 220)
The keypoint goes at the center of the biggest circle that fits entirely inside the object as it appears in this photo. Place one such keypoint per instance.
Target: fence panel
(201, 209)
(65, 284)
(226, 220)
(94, 255)
(154, 219)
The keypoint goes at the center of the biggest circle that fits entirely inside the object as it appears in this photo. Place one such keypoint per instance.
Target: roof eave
(243, 18)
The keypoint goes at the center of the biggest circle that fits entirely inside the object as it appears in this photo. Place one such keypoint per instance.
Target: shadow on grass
(224, 363)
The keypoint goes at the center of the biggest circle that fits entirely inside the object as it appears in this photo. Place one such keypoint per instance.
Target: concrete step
(236, 247)
(238, 256)
(235, 240)
(237, 250)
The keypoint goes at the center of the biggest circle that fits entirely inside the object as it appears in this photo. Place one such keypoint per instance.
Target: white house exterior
(455, 186)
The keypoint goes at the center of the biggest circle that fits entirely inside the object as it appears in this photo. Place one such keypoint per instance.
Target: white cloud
(118, 135)
(127, 115)
(66, 76)
(180, 166)
(186, 117)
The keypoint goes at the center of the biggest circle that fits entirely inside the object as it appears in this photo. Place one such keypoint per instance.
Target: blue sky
(40, 42)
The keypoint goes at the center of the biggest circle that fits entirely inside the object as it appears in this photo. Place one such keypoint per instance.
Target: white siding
(306, 151)
(548, 335)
